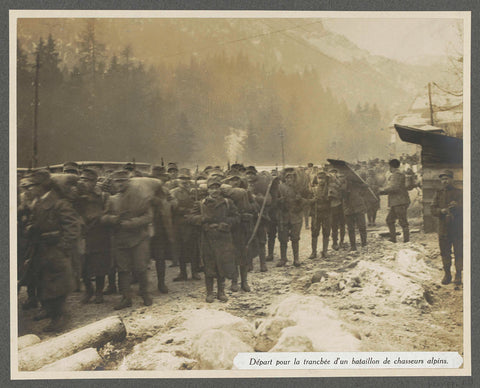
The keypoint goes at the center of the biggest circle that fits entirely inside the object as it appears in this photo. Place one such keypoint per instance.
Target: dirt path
(382, 325)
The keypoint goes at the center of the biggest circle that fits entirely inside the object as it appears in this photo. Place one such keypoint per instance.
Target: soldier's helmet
(184, 173)
(129, 167)
(70, 168)
(213, 180)
(172, 167)
(448, 173)
(89, 174)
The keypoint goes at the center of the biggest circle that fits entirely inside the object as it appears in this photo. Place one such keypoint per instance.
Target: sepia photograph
(239, 194)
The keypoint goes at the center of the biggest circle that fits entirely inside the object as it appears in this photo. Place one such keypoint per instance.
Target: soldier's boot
(283, 254)
(393, 233)
(234, 287)
(58, 318)
(160, 266)
(243, 276)
(458, 278)
(263, 259)
(124, 284)
(111, 288)
(99, 285)
(325, 246)
(447, 278)
(363, 238)
(221, 290)
(32, 301)
(250, 265)
(182, 276)
(209, 285)
(88, 290)
(353, 243)
(314, 248)
(143, 288)
(296, 255)
(335, 246)
(195, 275)
(271, 247)
(406, 234)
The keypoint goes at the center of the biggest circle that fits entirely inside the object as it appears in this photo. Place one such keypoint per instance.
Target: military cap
(172, 166)
(232, 175)
(89, 174)
(129, 167)
(213, 180)
(251, 170)
(237, 166)
(184, 173)
(310, 165)
(216, 171)
(321, 174)
(207, 169)
(40, 177)
(120, 175)
(448, 173)
(70, 167)
(395, 163)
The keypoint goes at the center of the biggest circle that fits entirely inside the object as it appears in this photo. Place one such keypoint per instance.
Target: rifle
(259, 218)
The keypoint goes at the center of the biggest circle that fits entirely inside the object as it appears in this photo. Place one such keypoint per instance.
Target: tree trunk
(87, 359)
(27, 340)
(90, 336)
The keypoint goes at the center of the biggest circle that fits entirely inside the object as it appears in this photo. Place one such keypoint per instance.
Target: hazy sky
(401, 39)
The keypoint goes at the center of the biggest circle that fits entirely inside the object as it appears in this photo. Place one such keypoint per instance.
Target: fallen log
(94, 335)
(27, 340)
(87, 359)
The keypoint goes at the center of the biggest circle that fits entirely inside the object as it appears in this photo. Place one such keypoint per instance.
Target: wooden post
(91, 336)
(430, 102)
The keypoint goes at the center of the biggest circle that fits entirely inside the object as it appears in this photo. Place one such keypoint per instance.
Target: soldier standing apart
(257, 187)
(98, 259)
(290, 217)
(130, 224)
(320, 212)
(241, 231)
(184, 234)
(336, 182)
(448, 207)
(355, 209)
(398, 201)
(216, 214)
(54, 231)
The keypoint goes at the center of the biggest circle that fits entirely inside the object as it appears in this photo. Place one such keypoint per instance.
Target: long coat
(353, 201)
(55, 229)
(396, 190)
(97, 235)
(217, 245)
(452, 224)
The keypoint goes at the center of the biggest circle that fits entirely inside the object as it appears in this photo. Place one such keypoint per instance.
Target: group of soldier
(80, 225)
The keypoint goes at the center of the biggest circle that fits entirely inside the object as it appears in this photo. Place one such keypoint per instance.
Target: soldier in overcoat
(98, 260)
(131, 224)
(398, 201)
(54, 231)
(355, 209)
(447, 205)
(320, 213)
(216, 215)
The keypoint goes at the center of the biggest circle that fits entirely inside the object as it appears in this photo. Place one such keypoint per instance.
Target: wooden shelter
(439, 152)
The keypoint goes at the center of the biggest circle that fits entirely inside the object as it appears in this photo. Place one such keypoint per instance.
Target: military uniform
(337, 216)
(398, 201)
(320, 213)
(355, 209)
(450, 227)
(131, 224)
(98, 260)
(216, 215)
(54, 231)
(183, 232)
(290, 218)
(372, 204)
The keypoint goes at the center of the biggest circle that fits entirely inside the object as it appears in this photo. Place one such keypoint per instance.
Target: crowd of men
(85, 225)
